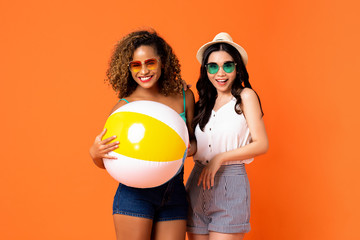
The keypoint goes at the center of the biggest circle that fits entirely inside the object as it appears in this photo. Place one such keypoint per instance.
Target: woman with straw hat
(230, 132)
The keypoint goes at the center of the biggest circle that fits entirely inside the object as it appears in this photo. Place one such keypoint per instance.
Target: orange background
(303, 62)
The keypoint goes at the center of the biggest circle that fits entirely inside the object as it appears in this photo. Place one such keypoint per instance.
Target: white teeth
(144, 78)
(221, 80)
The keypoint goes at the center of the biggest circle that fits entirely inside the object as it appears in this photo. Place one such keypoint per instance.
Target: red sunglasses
(136, 66)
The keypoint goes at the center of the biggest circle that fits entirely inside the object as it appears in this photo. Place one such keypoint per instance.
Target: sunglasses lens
(229, 67)
(212, 68)
(135, 66)
(151, 64)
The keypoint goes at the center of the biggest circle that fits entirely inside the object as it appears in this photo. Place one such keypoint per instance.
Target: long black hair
(207, 92)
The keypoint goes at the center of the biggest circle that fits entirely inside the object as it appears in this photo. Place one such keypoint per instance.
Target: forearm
(97, 160)
(100, 149)
(248, 151)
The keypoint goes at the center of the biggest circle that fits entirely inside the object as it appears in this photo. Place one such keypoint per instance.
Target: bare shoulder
(250, 103)
(189, 95)
(247, 94)
(117, 106)
(189, 100)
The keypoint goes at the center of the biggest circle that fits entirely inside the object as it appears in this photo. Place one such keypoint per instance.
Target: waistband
(224, 170)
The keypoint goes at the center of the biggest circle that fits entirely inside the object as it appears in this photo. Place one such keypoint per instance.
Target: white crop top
(225, 131)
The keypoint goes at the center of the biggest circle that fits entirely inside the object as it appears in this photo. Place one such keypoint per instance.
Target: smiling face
(146, 77)
(221, 80)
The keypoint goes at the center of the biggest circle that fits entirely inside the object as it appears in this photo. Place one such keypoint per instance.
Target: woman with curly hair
(229, 132)
(144, 67)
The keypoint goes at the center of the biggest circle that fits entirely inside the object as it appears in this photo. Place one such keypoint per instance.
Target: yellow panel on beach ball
(153, 144)
(144, 137)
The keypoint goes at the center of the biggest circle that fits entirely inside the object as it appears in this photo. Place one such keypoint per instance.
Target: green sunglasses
(213, 68)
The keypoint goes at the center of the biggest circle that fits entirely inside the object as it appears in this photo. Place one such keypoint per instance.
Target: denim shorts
(163, 203)
(223, 208)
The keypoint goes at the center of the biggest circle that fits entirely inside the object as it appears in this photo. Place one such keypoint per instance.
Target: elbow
(192, 149)
(99, 163)
(264, 147)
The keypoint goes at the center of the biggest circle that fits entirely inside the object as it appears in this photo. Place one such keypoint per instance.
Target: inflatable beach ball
(153, 144)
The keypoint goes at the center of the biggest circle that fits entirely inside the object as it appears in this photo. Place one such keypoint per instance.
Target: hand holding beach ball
(153, 144)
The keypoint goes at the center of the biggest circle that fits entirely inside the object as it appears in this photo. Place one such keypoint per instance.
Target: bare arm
(190, 104)
(259, 144)
(101, 147)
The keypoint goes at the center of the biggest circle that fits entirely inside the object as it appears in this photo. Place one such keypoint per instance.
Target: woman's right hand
(101, 148)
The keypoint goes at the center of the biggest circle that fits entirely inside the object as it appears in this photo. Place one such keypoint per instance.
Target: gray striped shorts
(225, 207)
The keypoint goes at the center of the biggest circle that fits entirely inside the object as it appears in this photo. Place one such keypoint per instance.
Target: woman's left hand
(192, 148)
(207, 176)
(185, 85)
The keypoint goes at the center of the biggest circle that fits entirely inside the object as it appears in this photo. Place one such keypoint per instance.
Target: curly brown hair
(119, 75)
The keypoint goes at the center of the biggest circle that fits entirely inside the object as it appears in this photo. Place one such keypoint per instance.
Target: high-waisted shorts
(163, 203)
(223, 208)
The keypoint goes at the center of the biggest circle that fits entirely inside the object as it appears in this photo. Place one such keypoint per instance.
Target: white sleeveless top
(225, 131)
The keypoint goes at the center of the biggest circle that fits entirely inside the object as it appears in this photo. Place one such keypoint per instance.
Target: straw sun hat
(222, 37)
